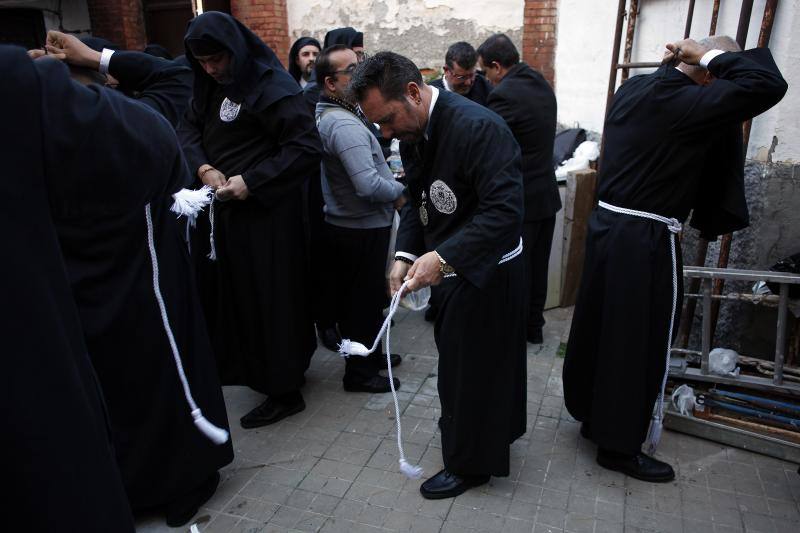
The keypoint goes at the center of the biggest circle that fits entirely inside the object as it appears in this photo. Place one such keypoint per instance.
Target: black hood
(259, 79)
(298, 45)
(347, 36)
(157, 50)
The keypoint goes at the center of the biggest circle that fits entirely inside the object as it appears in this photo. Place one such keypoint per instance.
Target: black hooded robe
(298, 45)
(469, 171)
(63, 474)
(117, 156)
(259, 315)
(660, 129)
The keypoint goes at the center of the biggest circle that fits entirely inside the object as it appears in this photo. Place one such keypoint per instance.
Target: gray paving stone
(334, 467)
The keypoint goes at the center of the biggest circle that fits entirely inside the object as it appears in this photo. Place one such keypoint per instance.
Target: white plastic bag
(585, 152)
(683, 399)
(722, 361)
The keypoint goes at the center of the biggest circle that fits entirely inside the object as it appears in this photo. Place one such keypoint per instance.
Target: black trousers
(537, 239)
(356, 293)
(482, 381)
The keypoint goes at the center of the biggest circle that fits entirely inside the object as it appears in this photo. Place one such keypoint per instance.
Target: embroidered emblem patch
(444, 200)
(228, 111)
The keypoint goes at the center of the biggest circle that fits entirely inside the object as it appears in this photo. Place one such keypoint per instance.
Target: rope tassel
(189, 202)
(348, 347)
(215, 434)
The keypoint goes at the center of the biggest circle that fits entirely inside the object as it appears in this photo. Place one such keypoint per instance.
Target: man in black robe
(658, 132)
(461, 75)
(527, 103)
(463, 233)
(63, 474)
(302, 55)
(110, 198)
(248, 133)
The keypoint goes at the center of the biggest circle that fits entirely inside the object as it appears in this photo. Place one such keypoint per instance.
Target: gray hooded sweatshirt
(357, 185)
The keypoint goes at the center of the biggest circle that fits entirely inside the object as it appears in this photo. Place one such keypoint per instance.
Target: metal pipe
(687, 317)
(780, 341)
(764, 35)
(689, 17)
(643, 64)
(714, 17)
(612, 77)
(744, 22)
(706, 327)
(626, 58)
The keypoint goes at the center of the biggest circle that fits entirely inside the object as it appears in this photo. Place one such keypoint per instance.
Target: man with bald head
(660, 130)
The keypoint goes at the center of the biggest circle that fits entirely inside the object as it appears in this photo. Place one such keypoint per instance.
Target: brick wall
(119, 21)
(539, 36)
(267, 19)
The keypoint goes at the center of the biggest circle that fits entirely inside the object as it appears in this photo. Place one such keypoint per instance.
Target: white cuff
(105, 59)
(708, 56)
(412, 257)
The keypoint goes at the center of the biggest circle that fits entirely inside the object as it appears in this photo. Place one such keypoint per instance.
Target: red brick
(119, 21)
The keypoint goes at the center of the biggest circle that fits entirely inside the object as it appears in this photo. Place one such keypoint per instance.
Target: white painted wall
(419, 29)
(583, 58)
(75, 13)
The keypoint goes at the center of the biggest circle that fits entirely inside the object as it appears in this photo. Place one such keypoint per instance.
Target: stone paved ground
(333, 467)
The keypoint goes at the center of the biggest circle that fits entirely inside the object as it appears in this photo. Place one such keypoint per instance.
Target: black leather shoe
(270, 412)
(378, 360)
(535, 336)
(639, 466)
(330, 338)
(374, 384)
(447, 485)
(180, 511)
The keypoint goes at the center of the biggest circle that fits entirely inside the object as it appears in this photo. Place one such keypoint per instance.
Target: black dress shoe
(535, 336)
(447, 485)
(330, 338)
(271, 411)
(180, 511)
(374, 384)
(378, 360)
(639, 466)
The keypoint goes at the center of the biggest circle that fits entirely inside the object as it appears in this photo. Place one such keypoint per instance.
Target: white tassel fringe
(348, 347)
(215, 434)
(213, 254)
(653, 435)
(189, 202)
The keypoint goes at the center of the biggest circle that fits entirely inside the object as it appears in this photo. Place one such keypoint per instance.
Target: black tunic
(58, 452)
(469, 170)
(257, 292)
(117, 156)
(660, 129)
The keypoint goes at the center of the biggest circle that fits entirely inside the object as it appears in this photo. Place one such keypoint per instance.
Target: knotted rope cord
(351, 348)
(674, 227)
(215, 434)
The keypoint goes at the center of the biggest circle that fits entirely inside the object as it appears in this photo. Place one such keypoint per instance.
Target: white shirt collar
(446, 85)
(434, 97)
(303, 82)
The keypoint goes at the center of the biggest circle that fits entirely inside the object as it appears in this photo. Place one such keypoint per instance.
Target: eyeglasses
(349, 70)
(465, 77)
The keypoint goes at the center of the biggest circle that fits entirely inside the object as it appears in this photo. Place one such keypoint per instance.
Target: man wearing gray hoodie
(360, 195)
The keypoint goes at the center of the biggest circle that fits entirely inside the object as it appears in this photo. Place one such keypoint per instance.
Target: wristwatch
(444, 268)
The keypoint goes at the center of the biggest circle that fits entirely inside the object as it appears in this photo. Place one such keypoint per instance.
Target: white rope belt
(215, 434)
(352, 348)
(507, 257)
(674, 227)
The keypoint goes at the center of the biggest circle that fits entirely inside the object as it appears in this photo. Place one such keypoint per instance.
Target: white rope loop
(351, 348)
(674, 227)
(213, 253)
(215, 434)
